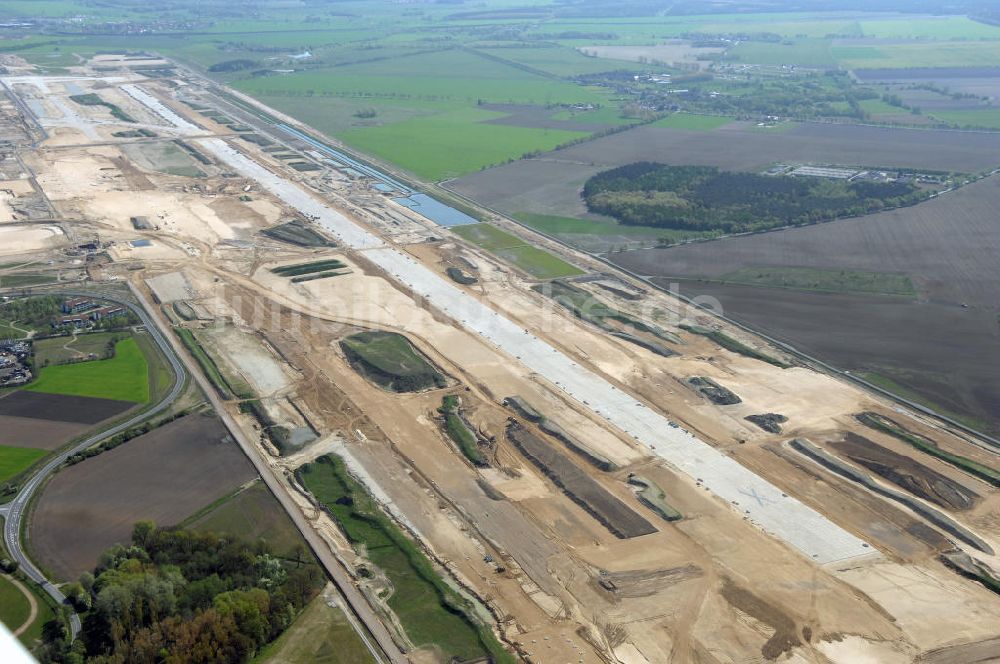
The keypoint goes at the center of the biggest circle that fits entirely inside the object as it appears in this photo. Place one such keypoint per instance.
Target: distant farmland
(537, 190)
(551, 184)
(928, 343)
(427, 110)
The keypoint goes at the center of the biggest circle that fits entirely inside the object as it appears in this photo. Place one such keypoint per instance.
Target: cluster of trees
(31, 312)
(705, 198)
(240, 64)
(178, 596)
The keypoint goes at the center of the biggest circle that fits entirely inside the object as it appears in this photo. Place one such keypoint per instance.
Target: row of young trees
(704, 198)
(176, 596)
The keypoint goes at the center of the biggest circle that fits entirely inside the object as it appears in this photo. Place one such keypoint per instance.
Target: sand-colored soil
(712, 587)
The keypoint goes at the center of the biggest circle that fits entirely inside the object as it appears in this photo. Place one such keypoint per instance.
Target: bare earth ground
(162, 476)
(708, 588)
(61, 407)
(950, 246)
(37, 433)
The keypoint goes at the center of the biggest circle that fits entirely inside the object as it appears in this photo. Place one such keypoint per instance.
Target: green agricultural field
(252, 514)
(124, 377)
(805, 52)
(488, 237)
(609, 115)
(824, 281)
(692, 122)
(558, 61)
(987, 118)
(877, 107)
(929, 27)
(461, 77)
(451, 144)
(337, 115)
(15, 460)
(536, 262)
(919, 54)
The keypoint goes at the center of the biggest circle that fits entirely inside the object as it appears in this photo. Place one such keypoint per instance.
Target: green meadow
(536, 262)
(15, 460)
(124, 377)
(450, 144)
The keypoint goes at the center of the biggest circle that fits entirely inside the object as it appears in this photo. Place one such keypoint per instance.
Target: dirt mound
(714, 392)
(612, 513)
(907, 473)
(770, 422)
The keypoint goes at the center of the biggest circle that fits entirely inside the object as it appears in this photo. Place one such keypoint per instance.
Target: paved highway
(18, 507)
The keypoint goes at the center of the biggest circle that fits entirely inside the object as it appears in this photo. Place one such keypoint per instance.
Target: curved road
(15, 510)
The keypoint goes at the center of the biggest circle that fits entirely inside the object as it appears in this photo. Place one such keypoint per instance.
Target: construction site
(603, 471)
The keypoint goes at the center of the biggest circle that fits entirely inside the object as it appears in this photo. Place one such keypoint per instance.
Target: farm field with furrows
(163, 476)
(551, 184)
(939, 342)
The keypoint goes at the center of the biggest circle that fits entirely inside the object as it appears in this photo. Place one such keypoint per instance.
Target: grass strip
(589, 309)
(93, 99)
(430, 611)
(456, 429)
(733, 345)
(209, 367)
(314, 277)
(515, 251)
(888, 426)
